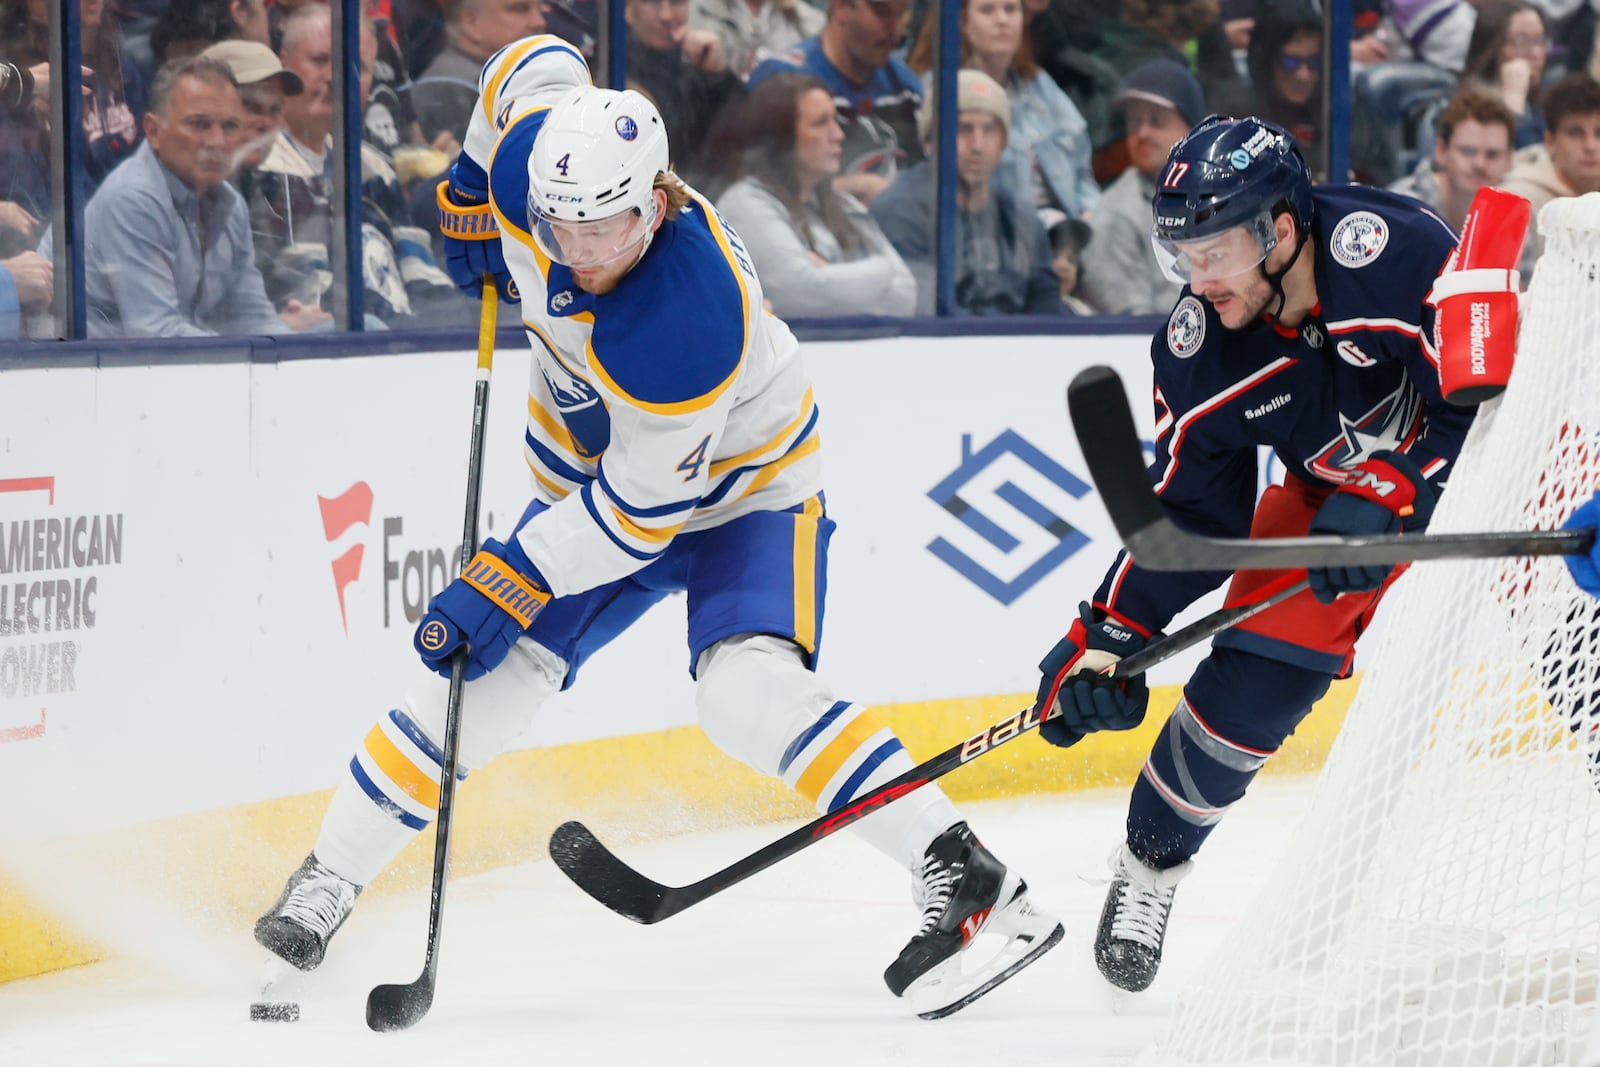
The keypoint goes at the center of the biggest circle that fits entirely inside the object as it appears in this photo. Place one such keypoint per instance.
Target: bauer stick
(598, 872)
(395, 1007)
(1111, 448)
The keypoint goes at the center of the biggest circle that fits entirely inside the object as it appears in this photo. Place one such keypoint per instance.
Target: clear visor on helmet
(594, 244)
(1223, 255)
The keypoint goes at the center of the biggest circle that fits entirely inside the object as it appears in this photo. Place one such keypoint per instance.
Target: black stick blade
(398, 1007)
(597, 871)
(1113, 452)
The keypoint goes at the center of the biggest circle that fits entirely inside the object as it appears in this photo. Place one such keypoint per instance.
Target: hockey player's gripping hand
(1072, 681)
(472, 240)
(1385, 495)
(1585, 569)
(487, 608)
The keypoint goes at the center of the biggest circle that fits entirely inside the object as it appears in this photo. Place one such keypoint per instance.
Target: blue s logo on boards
(999, 484)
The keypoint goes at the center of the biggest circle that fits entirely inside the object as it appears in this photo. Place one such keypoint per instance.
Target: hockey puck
(283, 1011)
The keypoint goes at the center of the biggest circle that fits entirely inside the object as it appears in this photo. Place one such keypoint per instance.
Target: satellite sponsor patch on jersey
(1359, 238)
(1186, 329)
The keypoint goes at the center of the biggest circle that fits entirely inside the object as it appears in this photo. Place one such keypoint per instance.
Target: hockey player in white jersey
(673, 439)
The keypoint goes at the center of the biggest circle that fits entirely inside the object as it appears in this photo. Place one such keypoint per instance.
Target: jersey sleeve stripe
(1410, 329)
(783, 439)
(802, 447)
(594, 513)
(671, 508)
(513, 58)
(1211, 404)
(552, 462)
(556, 490)
(809, 447)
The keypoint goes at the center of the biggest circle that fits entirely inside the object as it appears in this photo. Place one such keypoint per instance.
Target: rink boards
(209, 574)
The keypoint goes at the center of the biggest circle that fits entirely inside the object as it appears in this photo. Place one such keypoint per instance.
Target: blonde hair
(678, 196)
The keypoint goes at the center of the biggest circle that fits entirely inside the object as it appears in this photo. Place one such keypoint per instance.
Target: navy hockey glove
(472, 241)
(1072, 681)
(487, 609)
(1387, 494)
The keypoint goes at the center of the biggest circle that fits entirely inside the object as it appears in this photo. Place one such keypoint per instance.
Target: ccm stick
(1115, 457)
(598, 871)
(395, 1007)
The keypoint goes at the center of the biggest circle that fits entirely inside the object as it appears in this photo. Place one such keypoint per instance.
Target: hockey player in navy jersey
(1305, 327)
(674, 446)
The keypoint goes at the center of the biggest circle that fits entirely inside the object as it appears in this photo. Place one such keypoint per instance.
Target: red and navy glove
(1073, 681)
(472, 238)
(1385, 495)
(487, 609)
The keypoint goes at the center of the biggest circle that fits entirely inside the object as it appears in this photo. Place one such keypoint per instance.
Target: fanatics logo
(1186, 329)
(1358, 239)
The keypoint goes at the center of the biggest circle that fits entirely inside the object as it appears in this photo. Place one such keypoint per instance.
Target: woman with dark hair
(816, 249)
(1507, 54)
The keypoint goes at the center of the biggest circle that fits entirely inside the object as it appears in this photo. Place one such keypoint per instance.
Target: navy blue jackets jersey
(1359, 376)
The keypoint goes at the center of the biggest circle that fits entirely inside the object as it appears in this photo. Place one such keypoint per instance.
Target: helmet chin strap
(1275, 279)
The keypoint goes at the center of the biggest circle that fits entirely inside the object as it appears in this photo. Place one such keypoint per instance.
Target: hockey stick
(1115, 456)
(395, 1007)
(598, 872)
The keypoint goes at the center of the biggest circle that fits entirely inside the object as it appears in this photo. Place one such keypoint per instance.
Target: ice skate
(1127, 947)
(314, 904)
(969, 899)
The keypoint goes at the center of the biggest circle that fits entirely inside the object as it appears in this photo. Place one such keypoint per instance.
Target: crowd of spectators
(207, 156)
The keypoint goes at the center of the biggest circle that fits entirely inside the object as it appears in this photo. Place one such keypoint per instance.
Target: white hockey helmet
(596, 157)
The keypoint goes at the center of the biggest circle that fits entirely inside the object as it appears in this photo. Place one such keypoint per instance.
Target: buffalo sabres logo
(1359, 238)
(627, 129)
(578, 404)
(1186, 329)
(561, 300)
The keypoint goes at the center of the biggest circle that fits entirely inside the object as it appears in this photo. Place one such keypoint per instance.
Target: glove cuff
(497, 578)
(472, 222)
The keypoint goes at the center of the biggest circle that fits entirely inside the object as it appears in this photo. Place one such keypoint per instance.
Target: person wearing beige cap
(263, 83)
(1003, 262)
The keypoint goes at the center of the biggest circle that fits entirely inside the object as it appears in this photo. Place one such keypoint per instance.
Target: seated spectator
(419, 30)
(1285, 64)
(1567, 163)
(263, 83)
(577, 22)
(167, 248)
(1048, 156)
(1160, 101)
(877, 96)
(1002, 260)
(442, 96)
(1068, 238)
(189, 27)
(1507, 54)
(1473, 150)
(817, 250)
(292, 196)
(753, 31)
(683, 72)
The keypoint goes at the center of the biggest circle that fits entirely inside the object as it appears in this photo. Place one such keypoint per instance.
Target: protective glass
(589, 245)
(1231, 252)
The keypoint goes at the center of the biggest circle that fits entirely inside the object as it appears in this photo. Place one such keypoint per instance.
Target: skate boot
(978, 928)
(314, 904)
(1127, 947)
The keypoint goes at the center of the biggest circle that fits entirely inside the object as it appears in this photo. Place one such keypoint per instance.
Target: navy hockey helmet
(1228, 173)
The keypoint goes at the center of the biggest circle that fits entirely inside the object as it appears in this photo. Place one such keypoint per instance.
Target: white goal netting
(1441, 905)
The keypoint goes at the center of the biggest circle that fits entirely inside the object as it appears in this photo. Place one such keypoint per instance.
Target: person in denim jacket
(1047, 162)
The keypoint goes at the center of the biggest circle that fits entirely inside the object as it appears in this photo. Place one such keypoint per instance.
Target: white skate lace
(933, 892)
(319, 902)
(1141, 914)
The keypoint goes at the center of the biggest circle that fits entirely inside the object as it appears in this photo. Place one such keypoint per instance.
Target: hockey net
(1440, 907)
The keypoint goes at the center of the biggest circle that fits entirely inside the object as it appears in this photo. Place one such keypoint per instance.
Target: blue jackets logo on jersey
(1186, 329)
(1359, 238)
(1389, 427)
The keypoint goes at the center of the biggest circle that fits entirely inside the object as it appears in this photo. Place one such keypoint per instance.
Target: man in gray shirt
(167, 239)
(1160, 100)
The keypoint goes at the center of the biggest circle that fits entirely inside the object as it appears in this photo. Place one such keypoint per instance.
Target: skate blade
(965, 977)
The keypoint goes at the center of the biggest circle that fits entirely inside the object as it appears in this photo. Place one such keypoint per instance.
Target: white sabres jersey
(673, 403)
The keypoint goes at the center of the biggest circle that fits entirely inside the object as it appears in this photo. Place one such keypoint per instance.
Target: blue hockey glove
(1387, 494)
(472, 241)
(1072, 681)
(1585, 569)
(487, 609)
